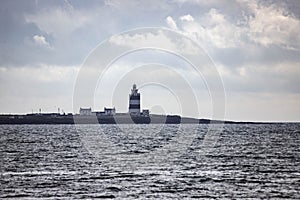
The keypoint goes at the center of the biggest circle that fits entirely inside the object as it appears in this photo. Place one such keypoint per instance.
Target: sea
(154, 161)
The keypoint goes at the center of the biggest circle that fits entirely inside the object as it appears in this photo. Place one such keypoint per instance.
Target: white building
(85, 111)
(106, 112)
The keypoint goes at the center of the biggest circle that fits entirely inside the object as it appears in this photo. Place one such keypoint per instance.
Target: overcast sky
(254, 45)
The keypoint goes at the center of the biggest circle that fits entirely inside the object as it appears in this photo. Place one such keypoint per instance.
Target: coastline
(118, 118)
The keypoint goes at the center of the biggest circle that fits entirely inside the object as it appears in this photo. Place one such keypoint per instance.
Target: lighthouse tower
(134, 101)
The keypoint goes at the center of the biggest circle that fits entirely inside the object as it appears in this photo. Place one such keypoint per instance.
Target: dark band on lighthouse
(134, 101)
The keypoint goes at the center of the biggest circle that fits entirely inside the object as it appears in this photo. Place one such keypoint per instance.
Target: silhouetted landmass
(120, 118)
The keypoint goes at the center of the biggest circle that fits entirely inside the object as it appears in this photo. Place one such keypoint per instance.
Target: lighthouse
(134, 101)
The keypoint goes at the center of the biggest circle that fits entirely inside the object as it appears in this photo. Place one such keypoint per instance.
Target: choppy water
(150, 161)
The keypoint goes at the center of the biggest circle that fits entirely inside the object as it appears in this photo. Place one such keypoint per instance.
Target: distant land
(118, 118)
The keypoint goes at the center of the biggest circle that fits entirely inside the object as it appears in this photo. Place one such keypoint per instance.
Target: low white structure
(85, 111)
(106, 112)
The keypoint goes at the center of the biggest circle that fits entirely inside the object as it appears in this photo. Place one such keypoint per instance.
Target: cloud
(273, 25)
(154, 5)
(199, 2)
(213, 29)
(58, 21)
(258, 24)
(154, 39)
(256, 43)
(171, 23)
(40, 40)
(188, 18)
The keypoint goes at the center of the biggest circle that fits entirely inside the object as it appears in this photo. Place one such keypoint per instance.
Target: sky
(249, 47)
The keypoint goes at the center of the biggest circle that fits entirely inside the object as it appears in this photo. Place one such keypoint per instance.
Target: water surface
(150, 161)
